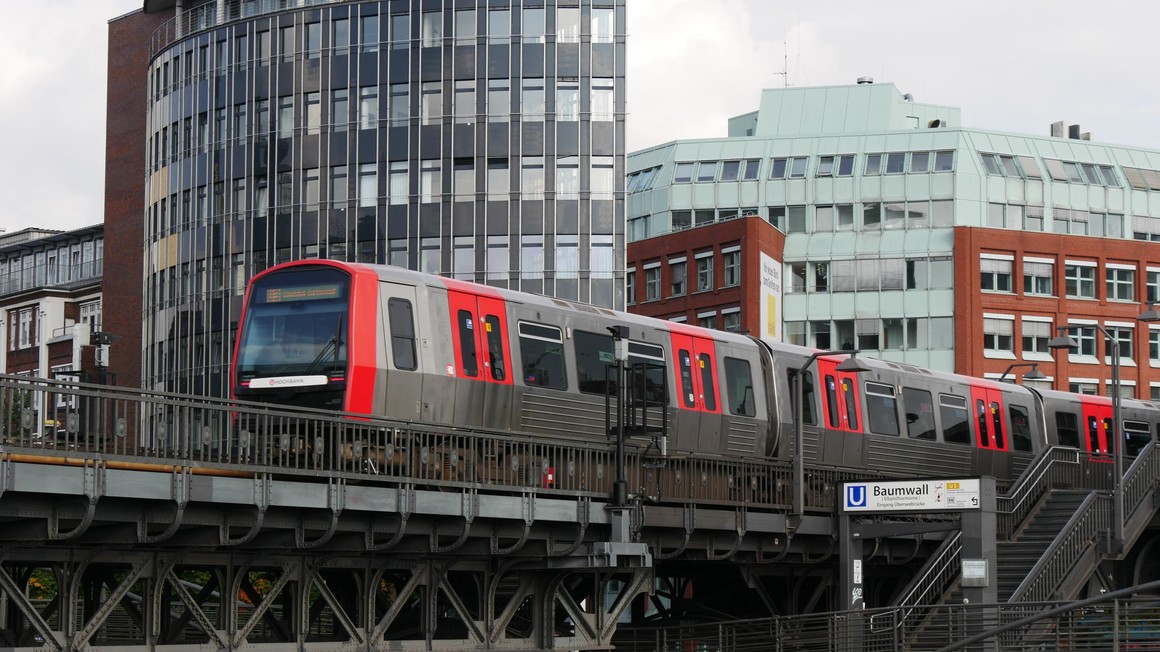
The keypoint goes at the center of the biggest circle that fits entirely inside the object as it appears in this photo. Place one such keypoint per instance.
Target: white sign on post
(911, 496)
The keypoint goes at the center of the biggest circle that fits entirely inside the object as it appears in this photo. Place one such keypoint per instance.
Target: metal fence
(1132, 624)
(57, 418)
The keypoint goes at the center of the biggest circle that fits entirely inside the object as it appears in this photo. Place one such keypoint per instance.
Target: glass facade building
(480, 140)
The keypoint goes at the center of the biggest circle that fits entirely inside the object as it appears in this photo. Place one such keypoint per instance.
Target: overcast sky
(1010, 65)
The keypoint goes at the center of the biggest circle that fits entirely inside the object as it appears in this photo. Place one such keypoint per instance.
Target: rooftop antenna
(784, 72)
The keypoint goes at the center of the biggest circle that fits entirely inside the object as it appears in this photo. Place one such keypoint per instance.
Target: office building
(480, 140)
(914, 238)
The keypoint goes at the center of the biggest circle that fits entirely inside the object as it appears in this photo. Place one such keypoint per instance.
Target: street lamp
(851, 365)
(1065, 341)
(1034, 374)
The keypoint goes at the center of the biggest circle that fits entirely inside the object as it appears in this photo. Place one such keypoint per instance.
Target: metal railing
(1127, 623)
(1091, 522)
(1057, 467)
(942, 570)
(77, 420)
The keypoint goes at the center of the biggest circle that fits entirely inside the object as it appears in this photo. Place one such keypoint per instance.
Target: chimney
(865, 80)
(1057, 130)
(1073, 132)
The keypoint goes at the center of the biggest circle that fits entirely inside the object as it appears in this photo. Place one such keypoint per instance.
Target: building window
(497, 258)
(731, 320)
(1153, 289)
(567, 100)
(532, 102)
(1080, 281)
(398, 186)
(677, 273)
(532, 257)
(630, 287)
(1037, 277)
(498, 182)
(1085, 337)
(793, 168)
(683, 173)
(706, 171)
(463, 180)
(568, 177)
(707, 320)
(705, 272)
(1154, 346)
(1083, 387)
(400, 104)
(1122, 336)
(1121, 283)
(998, 335)
(368, 107)
(430, 184)
(1035, 336)
(996, 274)
(732, 266)
(652, 283)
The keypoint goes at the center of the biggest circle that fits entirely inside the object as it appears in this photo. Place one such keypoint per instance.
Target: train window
(832, 401)
(688, 396)
(594, 358)
(953, 412)
(706, 364)
(1094, 436)
(740, 385)
(851, 403)
(881, 409)
(466, 323)
(402, 320)
(1136, 437)
(919, 413)
(807, 396)
(542, 353)
(1067, 429)
(1109, 438)
(997, 425)
(981, 417)
(647, 365)
(494, 347)
(1020, 427)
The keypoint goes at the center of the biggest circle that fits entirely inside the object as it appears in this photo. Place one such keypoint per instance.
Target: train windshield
(296, 325)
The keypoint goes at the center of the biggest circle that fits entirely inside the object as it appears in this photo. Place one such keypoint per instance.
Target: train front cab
(1085, 422)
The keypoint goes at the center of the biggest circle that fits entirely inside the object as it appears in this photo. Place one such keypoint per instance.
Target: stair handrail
(1035, 481)
(939, 572)
(1091, 519)
(1141, 479)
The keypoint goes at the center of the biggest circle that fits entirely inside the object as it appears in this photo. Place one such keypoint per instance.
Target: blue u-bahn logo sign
(855, 496)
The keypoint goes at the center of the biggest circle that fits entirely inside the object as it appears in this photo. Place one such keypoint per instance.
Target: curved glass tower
(479, 139)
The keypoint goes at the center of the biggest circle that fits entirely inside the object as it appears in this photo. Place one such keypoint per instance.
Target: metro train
(385, 341)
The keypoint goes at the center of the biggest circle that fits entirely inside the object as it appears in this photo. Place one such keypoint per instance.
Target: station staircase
(1054, 530)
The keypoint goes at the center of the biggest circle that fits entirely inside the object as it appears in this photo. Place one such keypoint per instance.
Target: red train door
(708, 398)
(989, 422)
(1097, 425)
(840, 407)
(478, 335)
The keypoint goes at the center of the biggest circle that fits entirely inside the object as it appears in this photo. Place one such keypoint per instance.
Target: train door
(991, 431)
(708, 396)
(1096, 435)
(840, 441)
(478, 326)
(687, 420)
(402, 377)
(497, 362)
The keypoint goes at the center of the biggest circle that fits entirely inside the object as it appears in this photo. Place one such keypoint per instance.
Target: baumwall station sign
(936, 495)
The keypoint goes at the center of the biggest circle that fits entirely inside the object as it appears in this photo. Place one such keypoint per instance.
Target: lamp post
(1034, 374)
(1065, 341)
(852, 365)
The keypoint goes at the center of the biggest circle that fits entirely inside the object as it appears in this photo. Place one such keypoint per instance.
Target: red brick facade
(754, 236)
(974, 245)
(124, 188)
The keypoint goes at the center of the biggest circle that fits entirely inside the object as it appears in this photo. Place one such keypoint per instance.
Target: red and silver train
(373, 339)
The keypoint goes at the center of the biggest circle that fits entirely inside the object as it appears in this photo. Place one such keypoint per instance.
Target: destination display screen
(302, 293)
